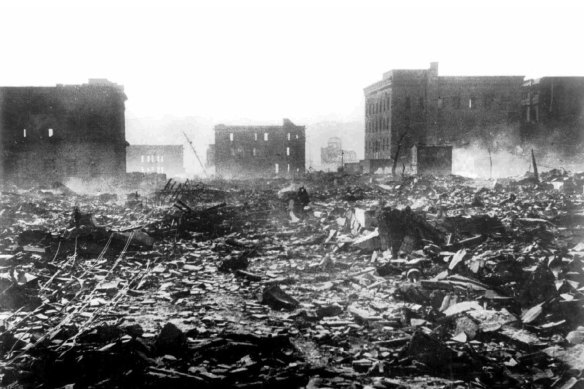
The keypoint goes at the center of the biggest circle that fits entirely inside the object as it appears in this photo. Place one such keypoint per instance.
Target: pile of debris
(342, 281)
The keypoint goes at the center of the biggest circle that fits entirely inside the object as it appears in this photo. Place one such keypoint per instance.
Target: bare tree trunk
(396, 156)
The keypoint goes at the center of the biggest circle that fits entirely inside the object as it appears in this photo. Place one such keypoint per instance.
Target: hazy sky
(265, 60)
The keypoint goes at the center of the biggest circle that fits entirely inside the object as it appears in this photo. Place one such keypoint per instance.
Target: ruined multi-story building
(552, 108)
(259, 151)
(161, 159)
(52, 133)
(410, 107)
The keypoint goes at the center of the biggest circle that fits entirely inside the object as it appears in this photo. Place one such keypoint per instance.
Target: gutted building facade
(161, 159)
(259, 151)
(52, 133)
(410, 107)
(552, 108)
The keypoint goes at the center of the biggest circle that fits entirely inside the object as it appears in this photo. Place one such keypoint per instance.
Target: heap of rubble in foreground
(417, 283)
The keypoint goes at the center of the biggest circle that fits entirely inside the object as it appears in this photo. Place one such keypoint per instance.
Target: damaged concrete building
(49, 134)
(161, 159)
(552, 110)
(259, 151)
(418, 106)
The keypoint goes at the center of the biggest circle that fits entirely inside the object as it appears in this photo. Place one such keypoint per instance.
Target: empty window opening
(288, 151)
(50, 132)
(24, 133)
(277, 168)
(266, 136)
(231, 136)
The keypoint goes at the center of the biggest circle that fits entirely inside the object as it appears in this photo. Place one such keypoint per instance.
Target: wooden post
(535, 174)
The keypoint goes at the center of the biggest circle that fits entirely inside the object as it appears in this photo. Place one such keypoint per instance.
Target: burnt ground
(414, 283)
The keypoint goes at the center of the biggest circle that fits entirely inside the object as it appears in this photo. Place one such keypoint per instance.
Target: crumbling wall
(436, 160)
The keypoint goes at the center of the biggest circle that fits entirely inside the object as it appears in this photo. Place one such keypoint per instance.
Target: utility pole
(196, 155)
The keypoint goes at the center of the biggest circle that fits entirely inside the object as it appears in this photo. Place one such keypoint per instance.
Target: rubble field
(355, 282)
